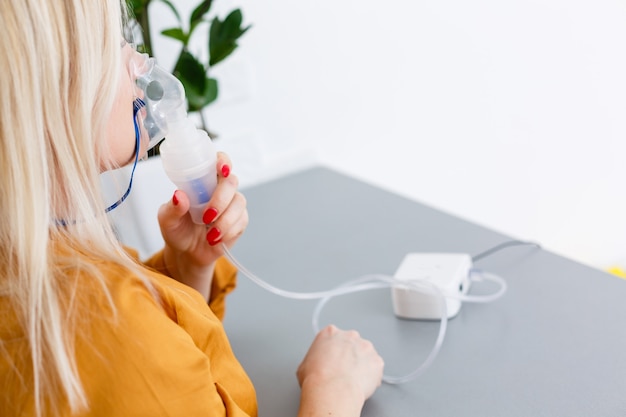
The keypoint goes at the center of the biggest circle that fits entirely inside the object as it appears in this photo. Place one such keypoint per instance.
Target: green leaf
(169, 4)
(197, 100)
(237, 17)
(199, 89)
(223, 36)
(221, 52)
(232, 24)
(191, 69)
(176, 33)
(199, 12)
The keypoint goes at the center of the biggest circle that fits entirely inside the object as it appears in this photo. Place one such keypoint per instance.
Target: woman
(85, 328)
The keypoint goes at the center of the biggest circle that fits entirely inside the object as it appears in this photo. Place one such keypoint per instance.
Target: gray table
(554, 345)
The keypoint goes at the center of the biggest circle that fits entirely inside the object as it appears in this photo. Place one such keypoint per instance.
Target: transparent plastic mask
(162, 93)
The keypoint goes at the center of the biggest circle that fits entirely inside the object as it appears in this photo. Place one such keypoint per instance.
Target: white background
(510, 114)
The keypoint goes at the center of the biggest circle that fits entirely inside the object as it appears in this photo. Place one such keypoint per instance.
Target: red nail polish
(225, 171)
(213, 237)
(175, 199)
(209, 215)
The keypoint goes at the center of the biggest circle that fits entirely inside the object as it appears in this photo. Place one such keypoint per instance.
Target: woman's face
(120, 129)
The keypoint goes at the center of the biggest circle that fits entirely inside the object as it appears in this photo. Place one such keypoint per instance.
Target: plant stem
(144, 22)
(203, 121)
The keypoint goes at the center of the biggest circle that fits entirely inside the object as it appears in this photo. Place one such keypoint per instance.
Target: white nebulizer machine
(188, 155)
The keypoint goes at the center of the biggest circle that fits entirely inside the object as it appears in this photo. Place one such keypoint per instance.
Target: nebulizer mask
(187, 153)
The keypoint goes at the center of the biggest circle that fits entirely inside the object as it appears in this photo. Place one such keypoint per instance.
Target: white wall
(511, 114)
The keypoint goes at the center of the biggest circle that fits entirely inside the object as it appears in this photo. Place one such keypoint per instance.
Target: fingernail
(175, 199)
(225, 171)
(209, 215)
(213, 237)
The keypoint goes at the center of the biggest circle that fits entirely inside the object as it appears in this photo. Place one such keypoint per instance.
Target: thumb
(171, 213)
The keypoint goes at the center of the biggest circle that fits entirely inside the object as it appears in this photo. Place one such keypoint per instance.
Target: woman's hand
(191, 249)
(339, 372)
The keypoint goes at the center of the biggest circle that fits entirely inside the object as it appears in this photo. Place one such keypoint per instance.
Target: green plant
(200, 88)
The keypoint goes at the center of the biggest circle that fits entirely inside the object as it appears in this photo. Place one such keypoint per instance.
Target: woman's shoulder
(143, 292)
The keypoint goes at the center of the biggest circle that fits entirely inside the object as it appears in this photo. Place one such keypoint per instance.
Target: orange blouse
(167, 358)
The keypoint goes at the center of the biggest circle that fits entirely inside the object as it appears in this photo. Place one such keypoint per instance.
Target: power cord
(503, 245)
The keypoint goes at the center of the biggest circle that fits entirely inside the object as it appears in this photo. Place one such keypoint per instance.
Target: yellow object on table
(616, 270)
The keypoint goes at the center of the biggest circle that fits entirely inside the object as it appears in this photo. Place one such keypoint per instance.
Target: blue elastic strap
(137, 105)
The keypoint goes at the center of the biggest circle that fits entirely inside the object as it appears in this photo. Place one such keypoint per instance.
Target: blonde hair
(60, 61)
